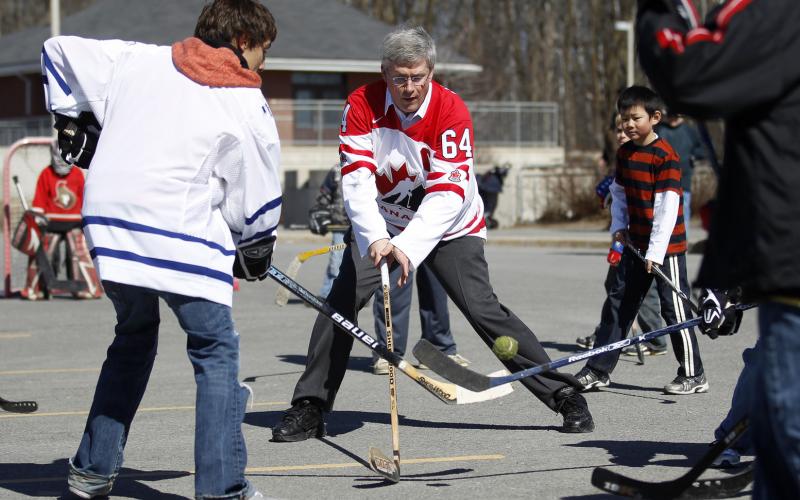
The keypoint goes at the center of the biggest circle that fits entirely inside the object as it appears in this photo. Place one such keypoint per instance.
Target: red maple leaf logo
(389, 181)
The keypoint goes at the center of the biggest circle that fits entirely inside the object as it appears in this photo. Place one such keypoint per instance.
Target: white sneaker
(727, 459)
(461, 360)
(79, 493)
(381, 367)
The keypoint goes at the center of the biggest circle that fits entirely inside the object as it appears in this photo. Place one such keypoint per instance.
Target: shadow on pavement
(642, 453)
(344, 421)
(50, 480)
(357, 363)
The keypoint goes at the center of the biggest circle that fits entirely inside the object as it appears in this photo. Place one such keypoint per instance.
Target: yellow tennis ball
(505, 347)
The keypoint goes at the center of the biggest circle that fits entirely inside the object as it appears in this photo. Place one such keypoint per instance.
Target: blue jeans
(213, 348)
(687, 211)
(334, 263)
(775, 410)
(433, 313)
(740, 403)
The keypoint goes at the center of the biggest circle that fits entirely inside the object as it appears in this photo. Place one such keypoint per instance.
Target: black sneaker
(300, 422)
(591, 379)
(573, 407)
(586, 342)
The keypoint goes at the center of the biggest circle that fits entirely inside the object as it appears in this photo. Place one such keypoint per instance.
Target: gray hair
(406, 46)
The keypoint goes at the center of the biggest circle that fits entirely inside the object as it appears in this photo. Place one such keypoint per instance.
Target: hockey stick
(282, 295)
(624, 486)
(18, 406)
(723, 487)
(658, 272)
(442, 365)
(390, 469)
(446, 392)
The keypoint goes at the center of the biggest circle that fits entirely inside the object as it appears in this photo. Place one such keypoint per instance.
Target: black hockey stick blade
(441, 364)
(618, 484)
(721, 487)
(445, 392)
(383, 465)
(18, 406)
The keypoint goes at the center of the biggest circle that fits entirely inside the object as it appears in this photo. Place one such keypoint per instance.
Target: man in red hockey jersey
(59, 197)
(410, 191)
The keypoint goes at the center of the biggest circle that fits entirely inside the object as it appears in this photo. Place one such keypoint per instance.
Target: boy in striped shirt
(647, 213)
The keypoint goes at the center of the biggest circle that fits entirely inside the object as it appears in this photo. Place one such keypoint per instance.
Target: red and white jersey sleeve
(415, 184)
(357, 157)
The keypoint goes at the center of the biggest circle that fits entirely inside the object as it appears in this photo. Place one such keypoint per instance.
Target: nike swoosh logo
(376, 120)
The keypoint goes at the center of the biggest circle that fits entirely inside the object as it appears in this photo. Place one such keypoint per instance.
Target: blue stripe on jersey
(260, 235)
(264, 209)
(49, 65)
(133, 226)
(162, 263)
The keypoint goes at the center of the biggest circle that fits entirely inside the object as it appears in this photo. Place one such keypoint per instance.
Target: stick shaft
(387, 318)
(660, 274)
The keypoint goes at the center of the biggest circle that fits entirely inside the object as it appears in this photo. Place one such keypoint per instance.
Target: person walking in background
(647, 213)
(328, 214)
(182, 195)
(688, 145)
(649, 315)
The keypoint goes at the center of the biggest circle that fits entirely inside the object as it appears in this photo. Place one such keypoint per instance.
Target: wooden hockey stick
(390, 469)
(282, 295)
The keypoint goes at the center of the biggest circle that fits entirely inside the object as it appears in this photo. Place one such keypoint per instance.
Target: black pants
(629, 287)
(462, 269)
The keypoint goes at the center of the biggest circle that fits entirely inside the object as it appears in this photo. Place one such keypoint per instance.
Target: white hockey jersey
(187, 165)
(416, 184)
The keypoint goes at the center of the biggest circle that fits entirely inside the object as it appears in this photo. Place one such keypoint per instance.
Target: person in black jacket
(741, 66)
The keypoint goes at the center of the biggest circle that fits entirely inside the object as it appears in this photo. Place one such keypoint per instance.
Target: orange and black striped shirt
(645, 171)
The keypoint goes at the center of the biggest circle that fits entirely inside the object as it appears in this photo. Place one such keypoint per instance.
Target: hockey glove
(253, 259)
(318, 220)
(77, 138)
(719, 315)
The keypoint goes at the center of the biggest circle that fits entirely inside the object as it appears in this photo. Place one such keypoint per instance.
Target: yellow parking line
(404, 461)
(141, 410)
(278, 468)
(48, 370)
(14, 335)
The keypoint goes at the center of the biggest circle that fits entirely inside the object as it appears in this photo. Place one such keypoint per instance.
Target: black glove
(253, 259)
(318, 220)
(719, 315)
(77, 138)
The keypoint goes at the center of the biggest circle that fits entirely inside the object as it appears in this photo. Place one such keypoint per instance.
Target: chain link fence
(316, 123)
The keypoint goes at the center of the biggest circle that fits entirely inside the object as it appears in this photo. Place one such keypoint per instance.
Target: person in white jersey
(182, 195)
(406, 149)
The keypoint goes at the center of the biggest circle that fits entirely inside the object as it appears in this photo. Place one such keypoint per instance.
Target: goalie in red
(56, 219)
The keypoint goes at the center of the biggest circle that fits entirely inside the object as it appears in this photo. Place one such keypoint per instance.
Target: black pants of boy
(461, 268)
(628, 291)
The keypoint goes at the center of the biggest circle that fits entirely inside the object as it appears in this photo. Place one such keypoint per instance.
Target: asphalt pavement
(550, 276)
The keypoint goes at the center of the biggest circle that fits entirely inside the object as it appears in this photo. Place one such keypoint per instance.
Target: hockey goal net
(25, 159)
